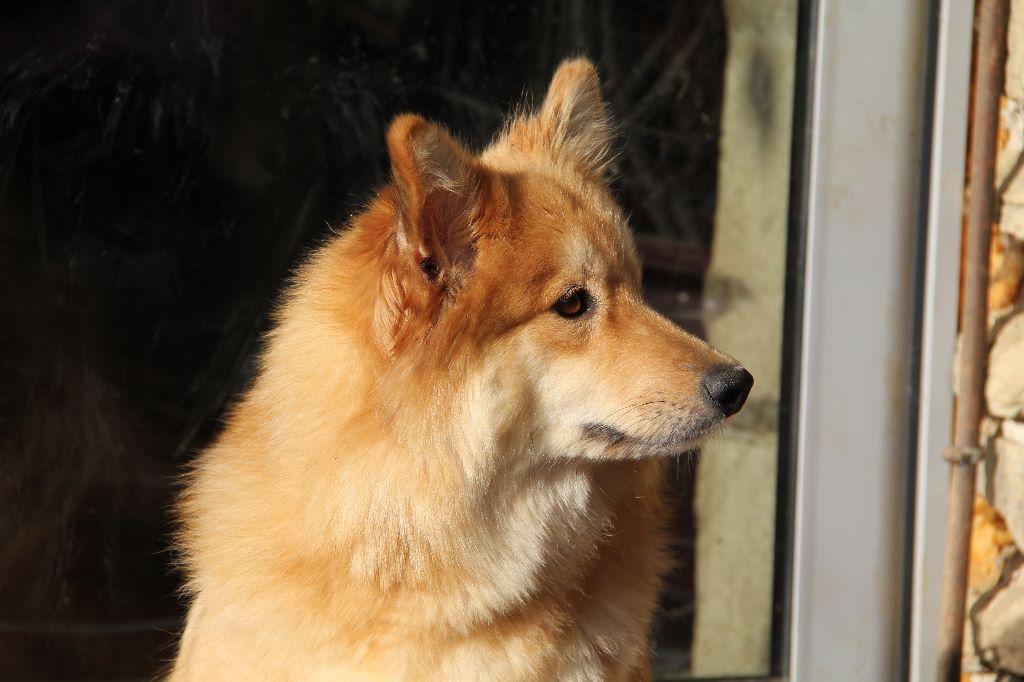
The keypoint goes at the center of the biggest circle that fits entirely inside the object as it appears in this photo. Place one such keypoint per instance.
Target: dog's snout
(728, 387)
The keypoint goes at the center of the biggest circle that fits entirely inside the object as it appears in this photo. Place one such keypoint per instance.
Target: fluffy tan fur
(435, 476)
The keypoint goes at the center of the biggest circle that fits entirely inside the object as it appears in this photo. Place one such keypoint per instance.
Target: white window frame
(884, 178)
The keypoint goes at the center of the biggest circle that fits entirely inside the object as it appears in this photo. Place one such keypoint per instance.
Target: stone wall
(995, 628)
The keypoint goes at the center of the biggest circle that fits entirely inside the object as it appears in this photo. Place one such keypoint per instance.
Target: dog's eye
(573, 304)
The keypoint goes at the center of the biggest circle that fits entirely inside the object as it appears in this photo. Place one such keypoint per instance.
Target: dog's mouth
(669, 439)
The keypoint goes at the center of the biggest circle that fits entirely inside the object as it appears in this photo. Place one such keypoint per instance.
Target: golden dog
(449, 466)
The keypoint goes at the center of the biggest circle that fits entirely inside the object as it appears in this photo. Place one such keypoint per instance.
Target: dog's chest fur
(557, 583)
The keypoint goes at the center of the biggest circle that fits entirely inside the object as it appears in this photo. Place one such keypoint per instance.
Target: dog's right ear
(574, 118)
(439, 185)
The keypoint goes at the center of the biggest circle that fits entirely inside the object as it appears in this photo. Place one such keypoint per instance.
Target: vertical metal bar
(863, 198)
(990, 54)
(939, 259)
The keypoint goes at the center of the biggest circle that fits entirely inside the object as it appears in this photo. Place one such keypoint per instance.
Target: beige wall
(735, 501)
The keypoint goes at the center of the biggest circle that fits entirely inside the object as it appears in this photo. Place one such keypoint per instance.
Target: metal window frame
(939, 306)
(882, 193)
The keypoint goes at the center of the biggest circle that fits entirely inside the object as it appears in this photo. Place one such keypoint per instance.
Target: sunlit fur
(434, 475)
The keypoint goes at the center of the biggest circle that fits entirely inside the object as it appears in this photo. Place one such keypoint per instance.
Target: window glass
(164, 164)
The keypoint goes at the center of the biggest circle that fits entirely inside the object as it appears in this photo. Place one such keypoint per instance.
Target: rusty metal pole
(989, 62)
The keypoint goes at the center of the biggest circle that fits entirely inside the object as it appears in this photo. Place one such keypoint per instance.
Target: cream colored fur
(435, 476)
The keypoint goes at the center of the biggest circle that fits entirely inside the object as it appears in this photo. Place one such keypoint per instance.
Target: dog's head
(513, 294)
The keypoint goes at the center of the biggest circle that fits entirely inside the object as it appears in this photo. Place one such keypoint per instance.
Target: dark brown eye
(573, 304)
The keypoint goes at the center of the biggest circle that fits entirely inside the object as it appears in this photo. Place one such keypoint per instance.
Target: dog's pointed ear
(574, 117)
(439, 185)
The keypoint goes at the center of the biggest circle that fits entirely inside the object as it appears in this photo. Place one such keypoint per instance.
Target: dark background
(165, 163)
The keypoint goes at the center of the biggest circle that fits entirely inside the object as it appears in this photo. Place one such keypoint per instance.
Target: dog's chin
(667, 442)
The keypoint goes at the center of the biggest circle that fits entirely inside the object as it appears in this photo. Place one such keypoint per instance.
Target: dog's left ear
(439, 185)
(574, 119)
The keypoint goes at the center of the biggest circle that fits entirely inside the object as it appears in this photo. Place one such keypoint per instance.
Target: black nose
(728, 388)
